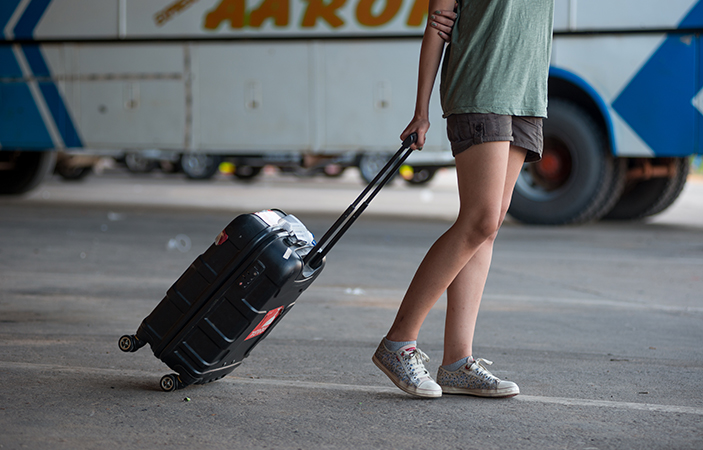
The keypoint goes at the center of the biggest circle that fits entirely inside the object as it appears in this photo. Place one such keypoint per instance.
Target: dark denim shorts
(465, 130)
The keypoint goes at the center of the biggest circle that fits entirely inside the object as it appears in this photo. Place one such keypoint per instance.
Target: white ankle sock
(395, 346)
(458, 364)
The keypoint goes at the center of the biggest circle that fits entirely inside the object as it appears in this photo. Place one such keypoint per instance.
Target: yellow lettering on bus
(235, 12)
(365, 16)
(418, 13)
(318, 9)
(278, 10)
(167, 13)
(232, 10)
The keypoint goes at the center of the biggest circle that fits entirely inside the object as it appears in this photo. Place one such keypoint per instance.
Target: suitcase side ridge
(199, 282)
(243, 314)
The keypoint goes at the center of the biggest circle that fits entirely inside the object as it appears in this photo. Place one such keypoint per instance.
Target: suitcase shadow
(136, 385)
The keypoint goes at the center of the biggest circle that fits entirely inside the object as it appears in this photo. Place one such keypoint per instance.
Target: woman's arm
(430, 57)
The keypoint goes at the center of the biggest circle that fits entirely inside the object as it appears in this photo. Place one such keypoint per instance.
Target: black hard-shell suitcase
(235, 293)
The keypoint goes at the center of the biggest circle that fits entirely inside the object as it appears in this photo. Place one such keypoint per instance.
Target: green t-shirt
(498, 59)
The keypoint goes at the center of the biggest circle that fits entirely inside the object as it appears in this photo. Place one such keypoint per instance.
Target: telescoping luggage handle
(337, 230)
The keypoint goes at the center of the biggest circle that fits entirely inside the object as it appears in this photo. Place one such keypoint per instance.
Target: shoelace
(480, 362)
(482, 370)
(416, 360)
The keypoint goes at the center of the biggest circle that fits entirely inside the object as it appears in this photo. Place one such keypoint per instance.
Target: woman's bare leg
(482, 175)
(465, 292)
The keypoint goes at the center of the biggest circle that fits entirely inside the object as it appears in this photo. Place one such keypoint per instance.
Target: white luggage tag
(293, 225)
(270, 217)
(305, 239)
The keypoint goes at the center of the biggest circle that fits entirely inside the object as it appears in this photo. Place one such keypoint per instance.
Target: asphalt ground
(600, 324)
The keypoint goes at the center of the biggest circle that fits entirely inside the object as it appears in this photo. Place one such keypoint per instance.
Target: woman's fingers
(416, 126)
(443, 22)
(417, 145)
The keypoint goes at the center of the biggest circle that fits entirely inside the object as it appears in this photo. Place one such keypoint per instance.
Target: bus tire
(73, 173)
(333, 170)
(200, 166)
(646, 198)
(577, 180)
(24, 170)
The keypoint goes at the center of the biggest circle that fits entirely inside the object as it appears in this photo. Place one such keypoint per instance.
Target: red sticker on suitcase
(221, 238)
(265, 323)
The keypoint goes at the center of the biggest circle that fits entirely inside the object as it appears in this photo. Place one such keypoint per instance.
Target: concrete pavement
(600, 325)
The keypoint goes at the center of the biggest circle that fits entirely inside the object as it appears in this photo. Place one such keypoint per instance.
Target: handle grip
(410, 140)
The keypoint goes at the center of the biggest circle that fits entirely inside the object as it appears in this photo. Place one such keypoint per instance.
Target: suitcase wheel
(171, 382)
(130, 343)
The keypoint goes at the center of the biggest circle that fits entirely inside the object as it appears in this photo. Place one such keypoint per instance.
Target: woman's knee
(481, 226)
(488, 226)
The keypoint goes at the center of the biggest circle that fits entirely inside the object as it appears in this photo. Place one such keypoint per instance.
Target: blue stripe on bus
(7, 8)
(61, 116)
(694, 18)
(21, 125)
(8, 63)
(30, 18)
(657, 103)
(52, 96)
(36, 61)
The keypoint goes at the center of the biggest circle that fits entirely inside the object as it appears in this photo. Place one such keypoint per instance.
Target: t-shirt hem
(500, 111)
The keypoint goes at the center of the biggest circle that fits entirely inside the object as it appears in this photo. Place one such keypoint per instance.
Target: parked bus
(266, 81)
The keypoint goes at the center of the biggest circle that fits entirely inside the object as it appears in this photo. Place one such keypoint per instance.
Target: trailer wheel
(646, 198)
(72, 173)
(21, 172)
(137, 163)
(577, 180)
(199, 166)
(168, 166)
(244, 172)
(370, 164)
(419, 175)
(333, 170)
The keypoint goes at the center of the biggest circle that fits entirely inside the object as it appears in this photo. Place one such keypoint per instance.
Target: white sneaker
(474, 379)
(406, 370)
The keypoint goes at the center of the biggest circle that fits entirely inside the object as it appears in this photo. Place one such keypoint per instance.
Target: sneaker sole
(401, 386)
(505, 393)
